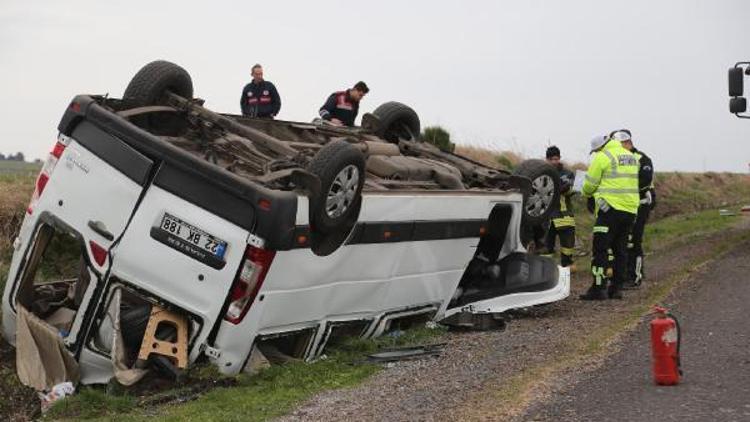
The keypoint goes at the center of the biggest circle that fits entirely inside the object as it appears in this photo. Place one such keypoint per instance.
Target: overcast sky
(499, 74)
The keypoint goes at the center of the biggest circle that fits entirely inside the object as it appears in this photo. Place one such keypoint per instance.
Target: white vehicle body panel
(519, 300)
(366, 281)
(82, 189)
(166, 273)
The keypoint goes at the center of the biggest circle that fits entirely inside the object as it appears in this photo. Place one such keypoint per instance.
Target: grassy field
(690, 204)
(19, 168)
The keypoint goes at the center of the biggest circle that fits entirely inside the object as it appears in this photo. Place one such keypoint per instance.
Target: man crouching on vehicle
(341, 107)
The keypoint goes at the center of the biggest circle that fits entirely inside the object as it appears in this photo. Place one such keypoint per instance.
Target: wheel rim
(542, 194)
(342, 192)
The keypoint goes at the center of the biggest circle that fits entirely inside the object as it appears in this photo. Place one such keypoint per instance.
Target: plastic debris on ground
(407, 353)
(58, 392)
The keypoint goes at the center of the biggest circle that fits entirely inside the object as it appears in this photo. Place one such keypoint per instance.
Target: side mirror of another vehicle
(736, 83)
(737, 105)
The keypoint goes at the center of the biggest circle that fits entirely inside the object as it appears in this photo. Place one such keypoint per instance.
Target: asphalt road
(712, 307)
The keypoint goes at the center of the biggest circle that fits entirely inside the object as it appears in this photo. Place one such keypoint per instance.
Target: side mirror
(737, 105)
(736, 87)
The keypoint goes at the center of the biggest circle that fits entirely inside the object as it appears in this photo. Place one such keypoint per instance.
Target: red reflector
(29, 210)
(58, 150)
(75, 107)
(99, 253)
(41, 182)
(264, 204)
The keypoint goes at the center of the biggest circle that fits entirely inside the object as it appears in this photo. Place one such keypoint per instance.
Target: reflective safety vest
(612, 178)
(563, 217)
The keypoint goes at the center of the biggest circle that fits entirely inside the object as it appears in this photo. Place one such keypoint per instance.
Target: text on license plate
(193, 235)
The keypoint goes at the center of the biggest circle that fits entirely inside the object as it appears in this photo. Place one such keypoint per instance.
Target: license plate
(190, 240)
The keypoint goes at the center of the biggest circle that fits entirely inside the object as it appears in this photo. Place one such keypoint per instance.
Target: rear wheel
(340, 166)
(149, 87)
(154, 80)
(545, 190)
(397, 121)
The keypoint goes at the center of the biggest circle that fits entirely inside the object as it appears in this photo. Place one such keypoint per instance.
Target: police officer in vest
(260, 97)
(612, 180)
(647, 203)
(563, 224)
(341, 107)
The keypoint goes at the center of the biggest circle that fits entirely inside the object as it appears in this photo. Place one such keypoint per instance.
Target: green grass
(273, 392)
(669, 231)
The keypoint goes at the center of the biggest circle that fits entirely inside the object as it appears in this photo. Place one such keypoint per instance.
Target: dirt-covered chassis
(331, 164)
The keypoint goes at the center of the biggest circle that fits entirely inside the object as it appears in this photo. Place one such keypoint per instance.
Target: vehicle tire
(545, 190)
(340, 166)
(154, 80)
(397, 121)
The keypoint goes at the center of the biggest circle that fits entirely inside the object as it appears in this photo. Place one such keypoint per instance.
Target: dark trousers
(611, 231)
(635, 244)
(567, 237)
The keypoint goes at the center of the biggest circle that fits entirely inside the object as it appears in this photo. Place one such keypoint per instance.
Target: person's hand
(647, 200)
(337, 122)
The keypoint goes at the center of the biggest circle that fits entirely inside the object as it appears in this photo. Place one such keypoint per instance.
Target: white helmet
(597, 142)
(621, 136)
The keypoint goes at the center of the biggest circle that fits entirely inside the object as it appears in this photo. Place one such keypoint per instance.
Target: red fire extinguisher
(665, 347)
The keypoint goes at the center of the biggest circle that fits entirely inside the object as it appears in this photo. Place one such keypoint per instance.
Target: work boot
(631, 285)
(594, 293)
(614, 291)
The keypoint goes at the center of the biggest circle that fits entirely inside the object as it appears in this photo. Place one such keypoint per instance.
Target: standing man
(341, 107)
(647, 202)
(259, 97)
(563, 224)
(612, 180)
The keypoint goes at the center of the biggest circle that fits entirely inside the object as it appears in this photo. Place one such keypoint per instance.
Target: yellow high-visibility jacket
(612, 178)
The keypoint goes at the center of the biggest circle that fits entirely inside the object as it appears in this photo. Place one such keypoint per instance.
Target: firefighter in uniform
(563, 224)
(612, 180)
(647, 202)
(260, 97)
(341, 107)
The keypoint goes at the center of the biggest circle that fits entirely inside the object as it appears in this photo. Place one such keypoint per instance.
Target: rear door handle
(101, 229)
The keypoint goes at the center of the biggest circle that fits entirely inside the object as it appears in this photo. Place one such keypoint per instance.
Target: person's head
(553, 156)
(625, 138)
(257, 73)
(358, 91)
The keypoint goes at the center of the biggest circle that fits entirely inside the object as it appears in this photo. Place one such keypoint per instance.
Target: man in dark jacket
(647, 203)
(341, 107)
(563, 224)
(259, 97)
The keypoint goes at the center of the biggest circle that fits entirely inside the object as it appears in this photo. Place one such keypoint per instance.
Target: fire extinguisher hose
(679, 340)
